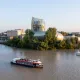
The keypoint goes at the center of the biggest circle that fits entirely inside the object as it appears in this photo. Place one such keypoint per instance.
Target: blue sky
(62, 14)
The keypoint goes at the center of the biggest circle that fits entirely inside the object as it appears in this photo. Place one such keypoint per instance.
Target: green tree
(64, 33)
(29, 33)
(43, 46)
(13, 42)
(61, 44)
(20, 44)
(50, 36)
(28, 38)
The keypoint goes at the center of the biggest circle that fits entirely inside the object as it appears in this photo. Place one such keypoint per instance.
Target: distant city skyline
(64, 15)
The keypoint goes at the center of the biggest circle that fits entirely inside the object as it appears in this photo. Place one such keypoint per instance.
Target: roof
(42, 33)
(39, 33)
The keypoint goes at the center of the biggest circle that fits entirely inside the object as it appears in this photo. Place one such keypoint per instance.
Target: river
(58, 65)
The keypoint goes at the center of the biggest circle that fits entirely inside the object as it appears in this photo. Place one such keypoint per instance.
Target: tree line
(49, 42)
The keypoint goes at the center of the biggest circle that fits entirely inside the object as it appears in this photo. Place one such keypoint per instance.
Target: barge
(27, 62)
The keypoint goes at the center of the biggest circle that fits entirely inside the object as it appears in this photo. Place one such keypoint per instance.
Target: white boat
(27, 62)
(78, 53)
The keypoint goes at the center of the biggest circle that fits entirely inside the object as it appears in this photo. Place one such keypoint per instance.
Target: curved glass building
(37, 24)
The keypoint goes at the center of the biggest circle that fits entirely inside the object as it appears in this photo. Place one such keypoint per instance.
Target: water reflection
(58, 55)
(20, 54)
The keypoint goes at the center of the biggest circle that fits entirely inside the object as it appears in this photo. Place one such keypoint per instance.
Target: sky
(61, 14)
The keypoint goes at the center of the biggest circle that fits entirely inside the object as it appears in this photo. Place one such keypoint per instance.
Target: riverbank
(48, 42)
(42, 50)
(43, 45)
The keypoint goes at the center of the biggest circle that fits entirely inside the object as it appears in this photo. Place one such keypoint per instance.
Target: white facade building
(14, 33)
(78, 39)
(59, 36)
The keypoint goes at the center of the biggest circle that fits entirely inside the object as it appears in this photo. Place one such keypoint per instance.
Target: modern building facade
(37, 24)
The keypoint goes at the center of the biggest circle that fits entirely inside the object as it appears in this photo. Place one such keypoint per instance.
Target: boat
(78, 53)
(27, 62)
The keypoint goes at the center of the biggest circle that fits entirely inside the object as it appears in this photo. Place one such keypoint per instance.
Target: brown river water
(57, 65)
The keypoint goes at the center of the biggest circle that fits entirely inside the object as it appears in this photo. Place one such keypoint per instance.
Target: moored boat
(27, 62)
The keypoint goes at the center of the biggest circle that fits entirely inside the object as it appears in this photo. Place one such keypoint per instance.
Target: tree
(13, 42)
(50, 36)
(64, 33)
(43, 46)
(28, 38)
(29, 33)
(20, 44)
(61, 44)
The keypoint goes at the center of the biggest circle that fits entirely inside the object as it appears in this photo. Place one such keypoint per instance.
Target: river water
(58, 65)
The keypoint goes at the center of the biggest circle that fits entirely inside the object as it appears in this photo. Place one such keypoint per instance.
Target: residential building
(17, 32)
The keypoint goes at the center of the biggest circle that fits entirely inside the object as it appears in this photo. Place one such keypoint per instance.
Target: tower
(37, 24)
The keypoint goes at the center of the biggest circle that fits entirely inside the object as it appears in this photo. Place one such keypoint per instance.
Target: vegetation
(49, 42)
(64, 33)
